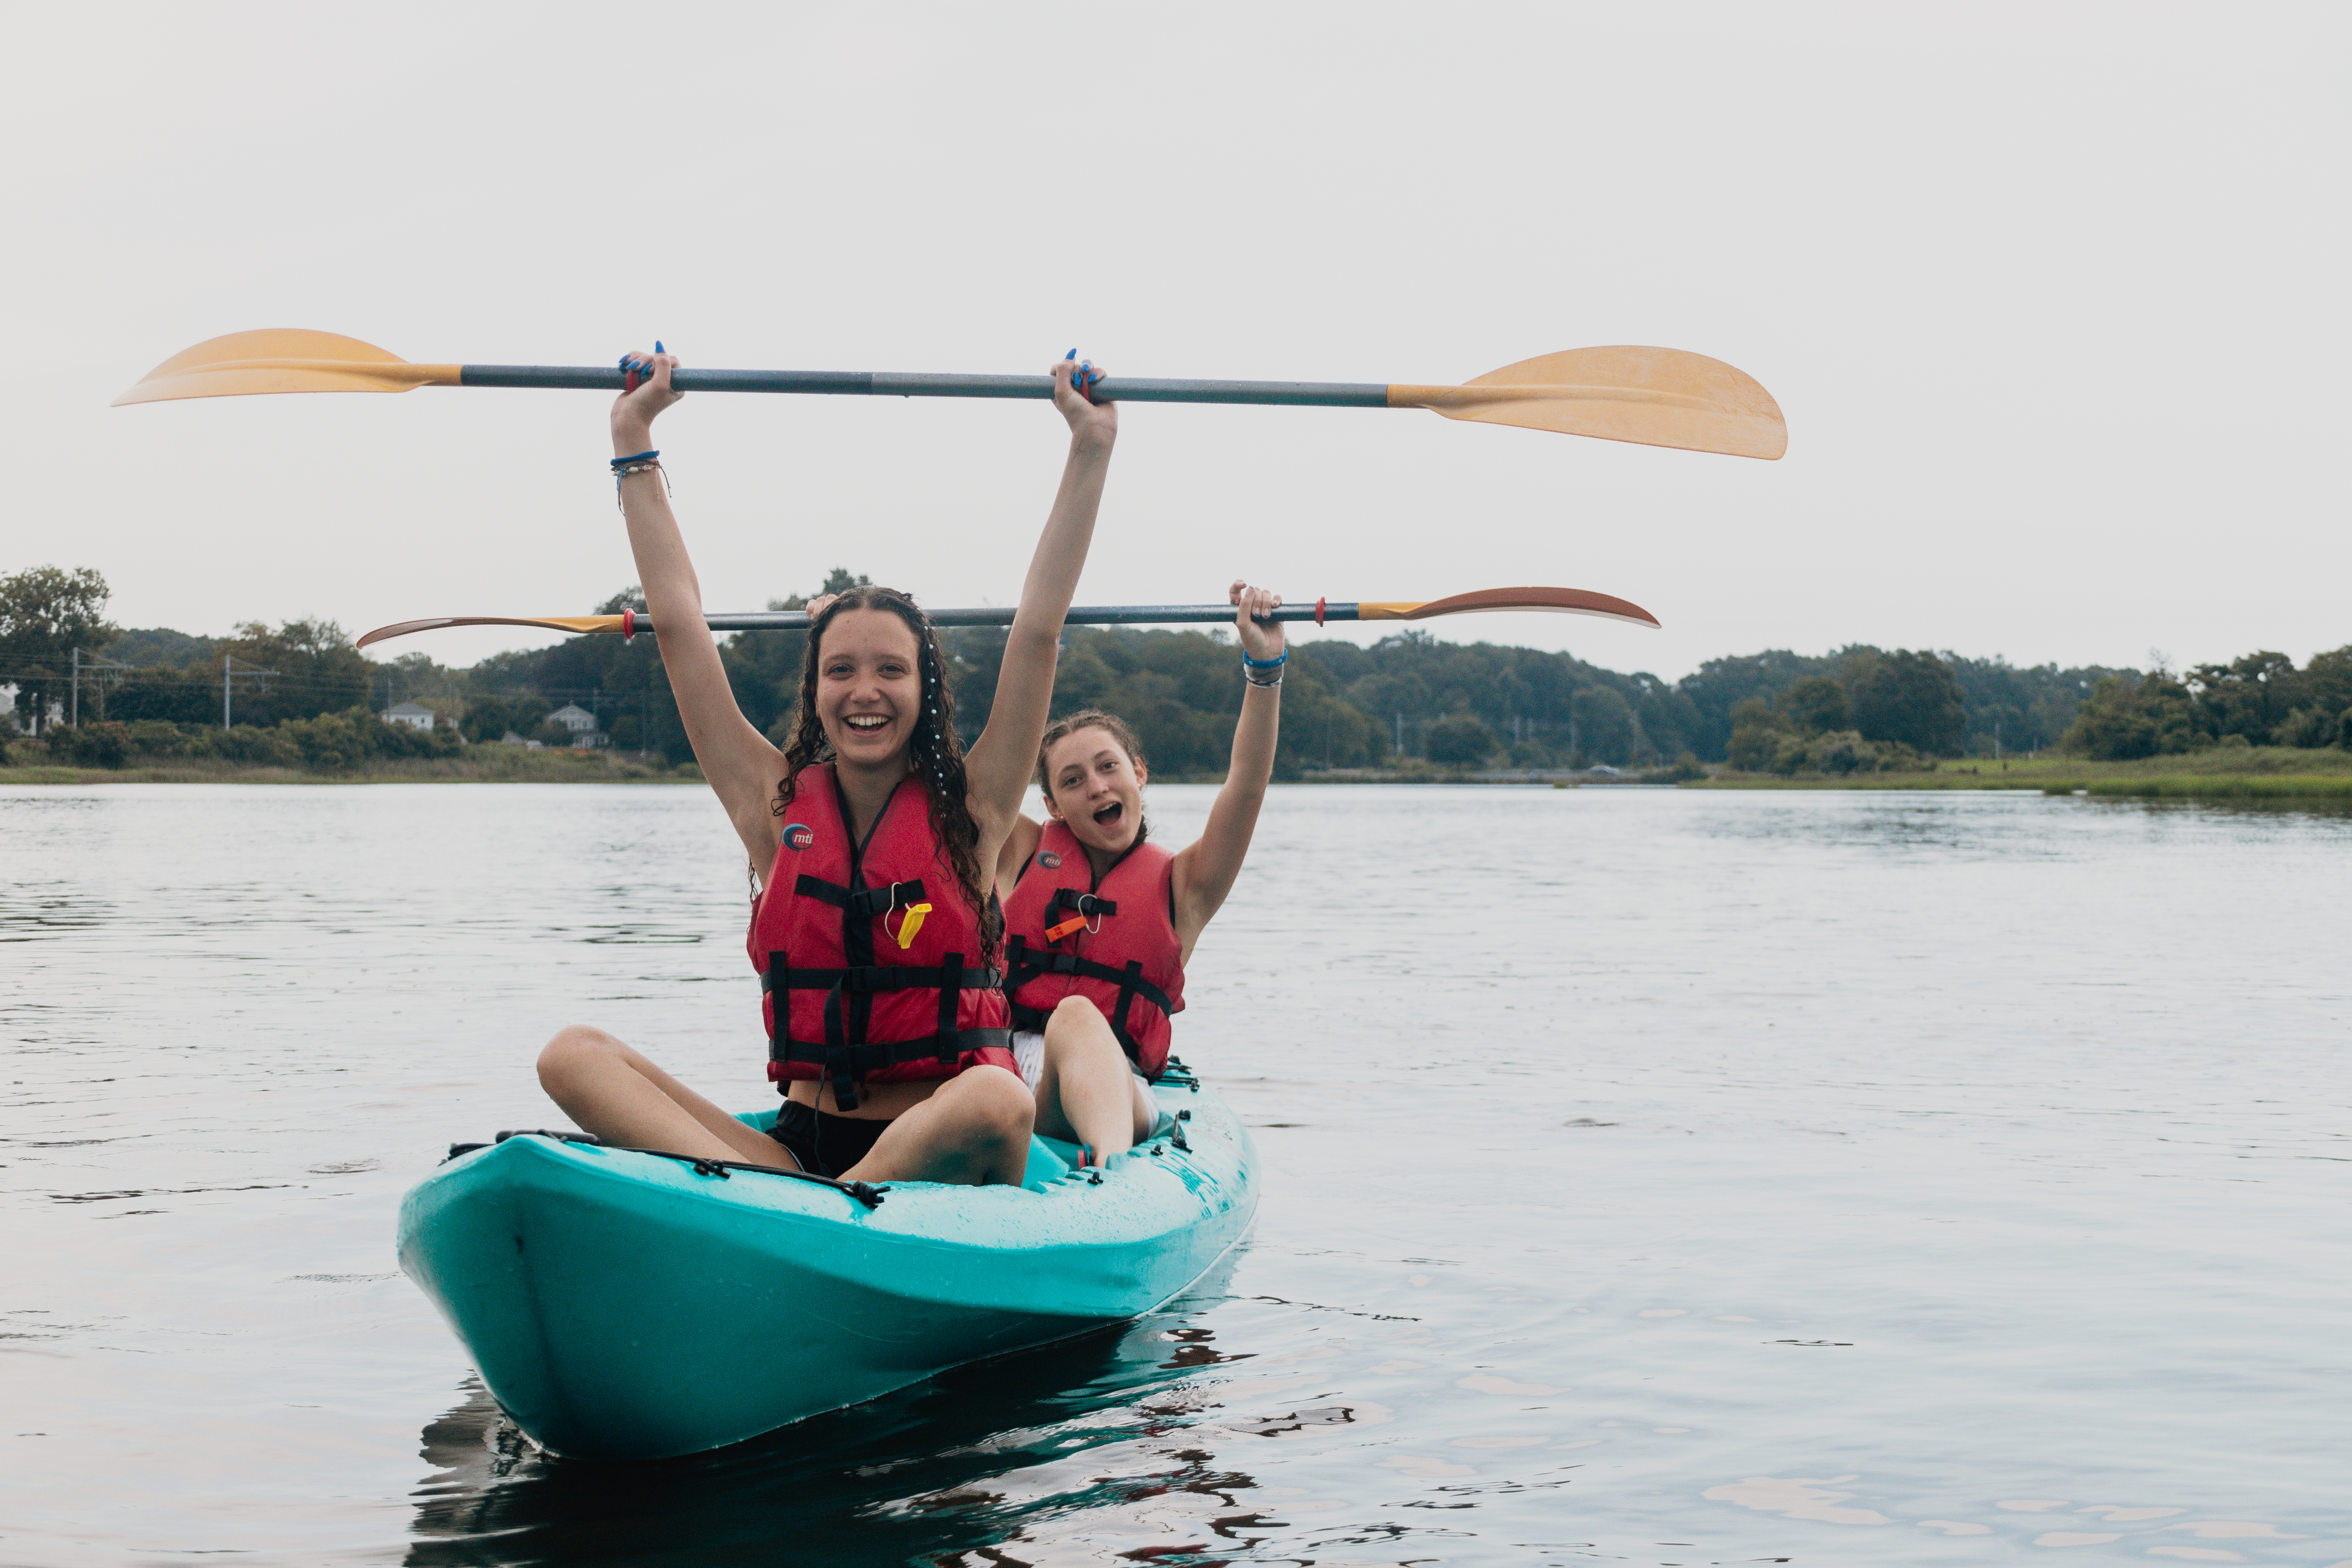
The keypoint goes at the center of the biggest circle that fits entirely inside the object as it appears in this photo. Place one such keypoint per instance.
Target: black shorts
(826, 1145)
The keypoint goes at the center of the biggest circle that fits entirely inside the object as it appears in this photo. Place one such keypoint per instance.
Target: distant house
(12, 718)
(415, 715)
(580, 723)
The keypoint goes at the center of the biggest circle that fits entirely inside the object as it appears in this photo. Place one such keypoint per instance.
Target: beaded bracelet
(642, 463)
(1254, 681)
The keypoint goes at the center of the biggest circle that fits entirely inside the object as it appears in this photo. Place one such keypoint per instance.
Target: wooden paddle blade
(551, 623)
(283, 359)
(1658, 397)
(1563, 601)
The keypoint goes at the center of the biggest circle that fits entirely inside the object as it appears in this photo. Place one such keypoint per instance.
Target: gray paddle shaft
(886, 384)
(992, 616)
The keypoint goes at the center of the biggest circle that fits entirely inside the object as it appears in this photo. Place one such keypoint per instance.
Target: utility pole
(228, 681)
(91, 662)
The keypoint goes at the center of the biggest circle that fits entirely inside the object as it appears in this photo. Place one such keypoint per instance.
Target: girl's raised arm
(1205, 871)
(740, 763)
(998, 768)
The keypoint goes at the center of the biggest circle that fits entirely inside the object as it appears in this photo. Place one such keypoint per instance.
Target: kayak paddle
(629, 623)
(1658, 397)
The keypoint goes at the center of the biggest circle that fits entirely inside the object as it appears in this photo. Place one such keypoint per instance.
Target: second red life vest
(877, 987)
(1117, 946)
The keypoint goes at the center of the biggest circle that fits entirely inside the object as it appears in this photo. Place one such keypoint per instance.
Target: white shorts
(1029, 1054)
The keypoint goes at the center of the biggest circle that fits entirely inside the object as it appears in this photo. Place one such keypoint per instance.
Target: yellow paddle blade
(1658, 397)
(283, 359)
(551, 623)
(1564, 601)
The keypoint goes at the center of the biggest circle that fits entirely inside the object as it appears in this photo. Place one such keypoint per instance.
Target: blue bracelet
(1249, 663)
(620, 463)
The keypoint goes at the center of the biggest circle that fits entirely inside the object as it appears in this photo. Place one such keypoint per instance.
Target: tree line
(1860, 707)
(2261, 699)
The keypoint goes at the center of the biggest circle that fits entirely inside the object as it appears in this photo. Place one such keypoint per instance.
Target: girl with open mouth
(876, 930)
(1100, 921)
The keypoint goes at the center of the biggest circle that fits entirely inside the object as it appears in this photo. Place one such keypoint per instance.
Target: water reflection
(1658, 1176)
(916, 1476)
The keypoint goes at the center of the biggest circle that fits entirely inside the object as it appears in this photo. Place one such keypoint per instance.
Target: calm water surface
(1650, 1177)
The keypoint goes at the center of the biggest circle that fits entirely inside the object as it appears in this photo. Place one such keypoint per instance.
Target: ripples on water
(1650, 1177)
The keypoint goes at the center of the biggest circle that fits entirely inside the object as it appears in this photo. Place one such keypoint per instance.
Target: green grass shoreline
(2267, 772)
(510, 765)
(2170, 787)
(2221, 772)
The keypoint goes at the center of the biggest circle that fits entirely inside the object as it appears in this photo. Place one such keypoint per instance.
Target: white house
(580, 723)
(11, 718)
(415, 715)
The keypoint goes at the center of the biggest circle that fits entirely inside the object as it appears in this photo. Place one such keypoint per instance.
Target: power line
(228, 682)
(82, 661)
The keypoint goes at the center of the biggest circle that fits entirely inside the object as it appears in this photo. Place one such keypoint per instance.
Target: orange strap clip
(1056, 933)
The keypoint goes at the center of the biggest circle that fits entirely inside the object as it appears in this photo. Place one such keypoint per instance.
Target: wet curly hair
(937, 751)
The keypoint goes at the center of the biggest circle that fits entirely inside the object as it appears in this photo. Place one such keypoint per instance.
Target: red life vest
(875, 990)
(1117, 948)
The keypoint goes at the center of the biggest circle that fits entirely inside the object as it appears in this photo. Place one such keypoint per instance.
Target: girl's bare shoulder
(1020, 842)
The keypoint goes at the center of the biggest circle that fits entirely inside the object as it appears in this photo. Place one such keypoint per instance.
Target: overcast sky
(2054, 298)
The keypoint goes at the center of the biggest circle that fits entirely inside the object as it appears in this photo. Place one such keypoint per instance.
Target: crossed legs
(973, 1129)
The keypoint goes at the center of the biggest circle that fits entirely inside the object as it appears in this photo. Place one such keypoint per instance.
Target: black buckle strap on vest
(1024, 963)
(839, 1063)
(780, 982)
(950, 994)
(1130, 983)
(871, 977)
(1087, 904)
(857, 1060)
(846, 1060)
(860, 903)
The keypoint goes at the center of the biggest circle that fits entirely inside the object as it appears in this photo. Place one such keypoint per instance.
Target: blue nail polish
(657, 348)
(1072, 354)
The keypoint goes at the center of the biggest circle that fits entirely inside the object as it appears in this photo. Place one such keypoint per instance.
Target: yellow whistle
(911, 925)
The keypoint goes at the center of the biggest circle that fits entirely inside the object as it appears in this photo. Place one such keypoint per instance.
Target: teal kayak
(625, 1304)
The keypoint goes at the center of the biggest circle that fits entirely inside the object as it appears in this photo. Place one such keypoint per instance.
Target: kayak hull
(623, 1306)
